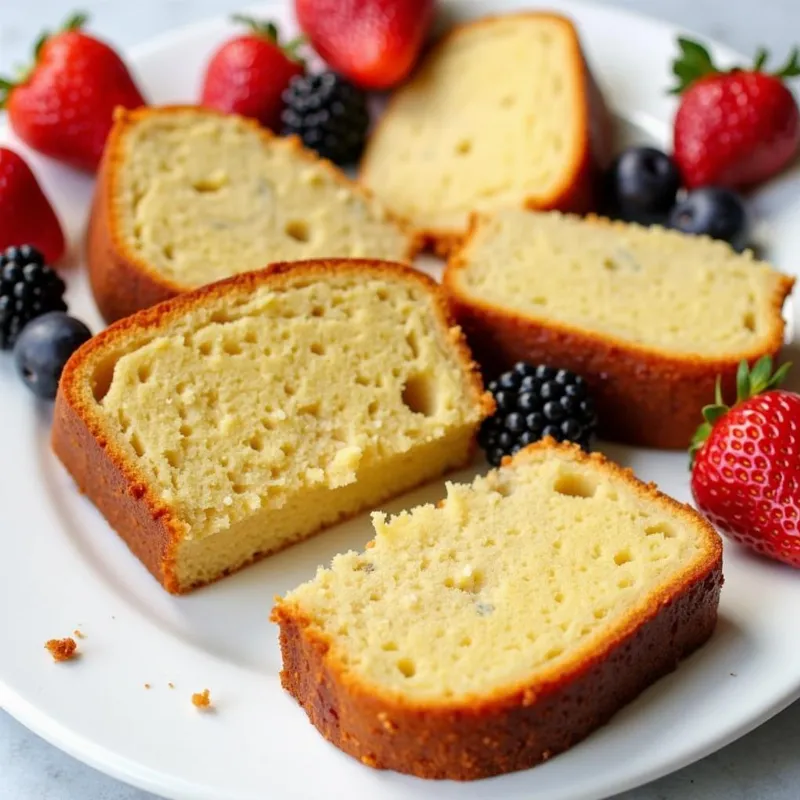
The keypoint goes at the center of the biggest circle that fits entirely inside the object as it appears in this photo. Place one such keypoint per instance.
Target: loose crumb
(171, 685)
(202, 699)
(62, 649)
(147, 686)
(78, 634)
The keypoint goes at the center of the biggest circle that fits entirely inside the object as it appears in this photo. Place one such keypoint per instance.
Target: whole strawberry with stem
(746, 464)
(26, 216)
(733, 128)
(249, 73)
(63, 105)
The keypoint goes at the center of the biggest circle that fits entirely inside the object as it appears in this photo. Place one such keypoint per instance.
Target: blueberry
(495, 456)
(528, 437)
(505, 439)
(571, 430)
(552, 430)
(530, 384)
(545, 373)
(535, 421)
(641, 185)
(551, 390)
(716, 212)
(44, 347)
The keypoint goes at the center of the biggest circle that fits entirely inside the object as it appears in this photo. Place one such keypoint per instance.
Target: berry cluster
(534, 402)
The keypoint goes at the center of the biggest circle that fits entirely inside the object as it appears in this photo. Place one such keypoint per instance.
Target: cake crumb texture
(62, 649)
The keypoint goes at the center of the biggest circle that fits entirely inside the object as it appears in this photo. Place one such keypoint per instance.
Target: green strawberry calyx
(749, 383)
(694, 62)
(75, 22)
(269, 31)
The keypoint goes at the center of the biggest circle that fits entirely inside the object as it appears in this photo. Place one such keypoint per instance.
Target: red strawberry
(734, 128)
(26, 216)
(374, 43)
(248, 74)
(63, 106)
(746, 470)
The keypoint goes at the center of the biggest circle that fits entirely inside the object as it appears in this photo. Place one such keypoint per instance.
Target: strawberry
(248, 74)
(63, 105)
(746, 464)
(26, 216)
(374, 43)
(735, 128)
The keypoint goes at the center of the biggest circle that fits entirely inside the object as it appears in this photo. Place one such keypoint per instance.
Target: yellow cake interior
(263, 416)
(646, 285)
(492, 117)
(200, 196)
(514, 574)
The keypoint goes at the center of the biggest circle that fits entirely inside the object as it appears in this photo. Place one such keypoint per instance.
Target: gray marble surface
(762, 766)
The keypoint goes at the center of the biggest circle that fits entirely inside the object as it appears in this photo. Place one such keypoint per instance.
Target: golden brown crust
(643, 396)
(122, 282)
(515, 727)
(578, 192)
(102, 468)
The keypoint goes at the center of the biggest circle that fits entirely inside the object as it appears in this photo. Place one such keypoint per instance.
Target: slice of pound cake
(232, 421)
(649, 317)
(502, 113)
(499, 628)
(188, 196)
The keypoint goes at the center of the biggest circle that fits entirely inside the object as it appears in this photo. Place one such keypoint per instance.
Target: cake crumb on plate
(62, 649)
(202, 699)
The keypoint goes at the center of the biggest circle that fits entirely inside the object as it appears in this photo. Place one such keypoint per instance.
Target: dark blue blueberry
(713, 211)
(494, 457)
(545, 373)
(641, 185)
(576, 390)
(528, 437)
(43, 349)
(505, 439)
(530, 384)
(569, 405)
(524, 369)
(552, 430)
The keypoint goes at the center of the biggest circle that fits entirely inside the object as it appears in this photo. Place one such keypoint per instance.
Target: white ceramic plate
(62, 568)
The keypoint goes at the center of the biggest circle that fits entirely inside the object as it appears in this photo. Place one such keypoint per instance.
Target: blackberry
(28, 289)
(329, 114)
(534, 402)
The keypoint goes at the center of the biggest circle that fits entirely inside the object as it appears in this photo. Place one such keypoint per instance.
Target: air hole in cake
(389, 647)
(309, 409)
(558, 597)
(232, 348)
(664, 528)
(250, 337)
(624, 583)
(623, 557)
(210, 183)
(557, 546)
(373, 407)
(464, 147)
(411, 339)
(407, 667)
(749, 321)
(465, 641)
(173, 459)
(508, 101)
(317, 311)
(600, 613)
(169, 251)
(205, 348)
(143, 373)
(219, 317)
(298, 230)
(553, 652)
(375, 597)
(289, 390)
(573, 484)
(419, 395)
(317, 348)
(136, 444)
(186, 430)
(256, 443)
